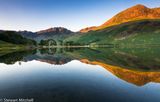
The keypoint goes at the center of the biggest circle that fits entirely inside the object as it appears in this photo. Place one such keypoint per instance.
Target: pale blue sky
(34, 15)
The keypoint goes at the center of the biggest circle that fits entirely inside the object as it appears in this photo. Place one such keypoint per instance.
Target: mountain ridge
(137, 12)
(133, 32)
(50, 32)
(55, 30)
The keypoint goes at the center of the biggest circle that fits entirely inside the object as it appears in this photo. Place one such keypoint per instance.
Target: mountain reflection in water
(137, 66)
(138, 78)
(82, 74)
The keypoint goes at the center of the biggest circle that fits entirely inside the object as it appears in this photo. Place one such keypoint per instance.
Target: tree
(49, 42)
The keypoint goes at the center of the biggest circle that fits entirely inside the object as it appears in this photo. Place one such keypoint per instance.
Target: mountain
(23, 37)
(51, 33)
(54, 31)
(137, 25)
(133, 32)
(134, 13)
(28, 34)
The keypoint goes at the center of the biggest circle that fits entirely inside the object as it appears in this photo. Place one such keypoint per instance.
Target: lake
(81, 75)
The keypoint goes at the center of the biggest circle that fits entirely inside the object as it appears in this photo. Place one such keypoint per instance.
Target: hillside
(137, 32)
(15, 38)
(134, 13)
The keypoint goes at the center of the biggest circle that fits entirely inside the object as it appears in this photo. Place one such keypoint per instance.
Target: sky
(35, 15)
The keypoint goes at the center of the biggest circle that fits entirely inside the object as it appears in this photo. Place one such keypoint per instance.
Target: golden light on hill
(138, 78)
(138, 12)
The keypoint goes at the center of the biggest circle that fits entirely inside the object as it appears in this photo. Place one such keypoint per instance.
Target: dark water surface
(82, 75)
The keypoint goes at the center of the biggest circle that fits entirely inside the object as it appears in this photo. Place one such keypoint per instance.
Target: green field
(6, 47)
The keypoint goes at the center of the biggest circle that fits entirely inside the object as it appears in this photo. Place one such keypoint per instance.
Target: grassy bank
(6, 47)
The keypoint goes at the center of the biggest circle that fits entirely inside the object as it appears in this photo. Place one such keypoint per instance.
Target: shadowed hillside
(15, 38)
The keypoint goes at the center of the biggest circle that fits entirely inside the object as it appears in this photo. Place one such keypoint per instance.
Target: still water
(81, 75)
